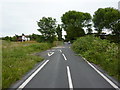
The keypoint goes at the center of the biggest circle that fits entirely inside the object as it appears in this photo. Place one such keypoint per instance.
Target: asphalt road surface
(62, 68)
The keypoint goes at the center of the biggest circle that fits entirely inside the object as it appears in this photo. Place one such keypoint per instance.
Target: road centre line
(64, 56)
(69, 78)
(61, 51)
(29, 78)
(107, 79)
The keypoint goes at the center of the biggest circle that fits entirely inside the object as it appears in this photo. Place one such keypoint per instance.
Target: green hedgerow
(100, 52)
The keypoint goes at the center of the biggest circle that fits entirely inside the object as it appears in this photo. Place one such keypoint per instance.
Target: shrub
(100, 52)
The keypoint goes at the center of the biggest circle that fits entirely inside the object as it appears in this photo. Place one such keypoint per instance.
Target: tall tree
(103, 18)
(59, 32)
(47, 28)
(73, 23)
(89, 28)
(115, 26)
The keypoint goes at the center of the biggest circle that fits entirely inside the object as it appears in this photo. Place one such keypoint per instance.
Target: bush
(100, 52)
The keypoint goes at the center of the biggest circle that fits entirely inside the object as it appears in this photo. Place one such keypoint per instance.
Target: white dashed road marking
(69, 78)
(64, 56)
(61, 51)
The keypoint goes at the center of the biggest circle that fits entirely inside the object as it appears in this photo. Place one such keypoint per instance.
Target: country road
(62, 68)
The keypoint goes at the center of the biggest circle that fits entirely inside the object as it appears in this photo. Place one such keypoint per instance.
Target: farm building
(23, 38)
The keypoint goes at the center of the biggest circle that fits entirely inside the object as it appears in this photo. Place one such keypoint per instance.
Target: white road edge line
(61, 51)
(69, 78)
(64, 56)
(108, 80)
(27, 81)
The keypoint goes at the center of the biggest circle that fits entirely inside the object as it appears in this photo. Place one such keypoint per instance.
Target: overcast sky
(20, 16)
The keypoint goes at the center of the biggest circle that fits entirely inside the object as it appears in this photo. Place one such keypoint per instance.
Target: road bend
(62, 68)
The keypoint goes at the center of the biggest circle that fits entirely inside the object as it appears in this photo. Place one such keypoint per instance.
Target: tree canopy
(73, 23)
(104, 17)
(47, 28)
(59, 32)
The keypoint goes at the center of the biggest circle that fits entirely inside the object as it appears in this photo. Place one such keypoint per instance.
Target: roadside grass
(57, 43)
(100, 52)
(18, 58)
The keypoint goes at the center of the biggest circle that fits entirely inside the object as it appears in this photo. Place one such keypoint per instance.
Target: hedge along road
(63, 69)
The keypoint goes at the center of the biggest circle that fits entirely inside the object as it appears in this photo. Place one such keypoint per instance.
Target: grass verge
(100, 52)
(18, 58)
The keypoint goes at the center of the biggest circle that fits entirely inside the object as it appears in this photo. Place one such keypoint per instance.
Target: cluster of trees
(74, 23)
(108, 18)
(34, 37)
(14, 38)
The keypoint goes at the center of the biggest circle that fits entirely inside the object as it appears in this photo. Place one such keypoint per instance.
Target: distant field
(18, 58)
